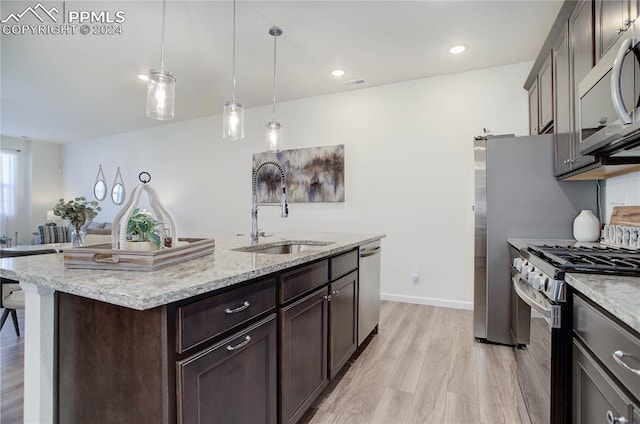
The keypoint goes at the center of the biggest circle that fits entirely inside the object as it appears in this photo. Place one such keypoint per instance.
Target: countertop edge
(182, 293)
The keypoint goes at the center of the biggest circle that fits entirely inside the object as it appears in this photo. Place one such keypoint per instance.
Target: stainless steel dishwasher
(369, 290)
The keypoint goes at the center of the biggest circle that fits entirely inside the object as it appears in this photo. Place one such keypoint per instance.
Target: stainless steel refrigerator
(516, 195)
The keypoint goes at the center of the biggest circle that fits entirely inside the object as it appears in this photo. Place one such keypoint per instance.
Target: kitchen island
(154, 325)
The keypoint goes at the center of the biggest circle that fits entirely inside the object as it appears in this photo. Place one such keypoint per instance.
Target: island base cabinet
(343, 321)
(596, 397)
(232, 382)
(112, 363)
(303, 344)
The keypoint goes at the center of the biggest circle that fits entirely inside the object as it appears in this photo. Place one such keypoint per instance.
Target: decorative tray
(103, 256)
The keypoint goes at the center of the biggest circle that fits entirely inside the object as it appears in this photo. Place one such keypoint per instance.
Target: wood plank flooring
(11, 371)
(423, 367)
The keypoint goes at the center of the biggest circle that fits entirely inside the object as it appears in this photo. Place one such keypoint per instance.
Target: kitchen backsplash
(620, 191)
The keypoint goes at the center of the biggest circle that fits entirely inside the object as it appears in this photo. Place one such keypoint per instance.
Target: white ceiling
(64, 88)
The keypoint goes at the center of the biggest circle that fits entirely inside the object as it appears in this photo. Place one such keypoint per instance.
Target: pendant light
(273, 134)
(233, 115)
(161, 85)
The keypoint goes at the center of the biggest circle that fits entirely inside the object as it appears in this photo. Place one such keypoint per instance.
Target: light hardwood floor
(423, 367)
(11, 371)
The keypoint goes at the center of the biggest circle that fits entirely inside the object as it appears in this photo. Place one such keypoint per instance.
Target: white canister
(586, 226)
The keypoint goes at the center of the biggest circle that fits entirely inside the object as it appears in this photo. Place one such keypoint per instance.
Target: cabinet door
(582, 51)
(596, 397)
(534, 114)
(563, 134)
(343, 320)
(611, 20)
(545, 93)
(303, 354)
(212, 384)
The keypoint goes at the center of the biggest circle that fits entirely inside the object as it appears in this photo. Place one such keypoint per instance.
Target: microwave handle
(616, 76)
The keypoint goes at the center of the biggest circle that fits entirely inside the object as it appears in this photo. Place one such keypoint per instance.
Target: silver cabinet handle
(240, 345)
(336, 293)
(240, 308)
(366, 252)
(616, 90)
(612, 419)
(618, 356)
(328, 297)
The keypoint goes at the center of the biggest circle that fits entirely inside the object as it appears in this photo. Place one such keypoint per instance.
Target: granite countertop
(145, 290)
(618, 295)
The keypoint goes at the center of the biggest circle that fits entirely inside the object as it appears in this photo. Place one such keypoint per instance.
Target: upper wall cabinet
(541, 101)
(612, 18)
(534, 109)
(563, 122)
(545, 89)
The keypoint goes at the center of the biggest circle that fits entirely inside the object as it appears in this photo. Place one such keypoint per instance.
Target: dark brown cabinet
(343, 324)
(541, 100)
(534, 110)
(211, 383)
(545, 95)
(605, 384)
(274, 341)
(303, 350)
(581, 51)
(562, 87)
(612, 19)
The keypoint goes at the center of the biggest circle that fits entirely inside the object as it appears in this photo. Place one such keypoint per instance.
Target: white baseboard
(427, 301)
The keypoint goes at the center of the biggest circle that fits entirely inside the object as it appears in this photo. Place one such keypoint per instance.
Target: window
(8, 191)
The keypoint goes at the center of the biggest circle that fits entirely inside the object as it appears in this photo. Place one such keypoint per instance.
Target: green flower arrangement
(143, 227)
(77, 211)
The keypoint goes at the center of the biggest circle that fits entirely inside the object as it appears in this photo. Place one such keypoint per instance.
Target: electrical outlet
(415, 276)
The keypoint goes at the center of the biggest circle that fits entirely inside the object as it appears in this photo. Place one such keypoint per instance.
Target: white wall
(40, 184)
(408, 171)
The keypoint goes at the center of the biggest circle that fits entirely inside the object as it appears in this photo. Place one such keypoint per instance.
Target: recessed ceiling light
(457, 49)
(337, 73)
(143, 77)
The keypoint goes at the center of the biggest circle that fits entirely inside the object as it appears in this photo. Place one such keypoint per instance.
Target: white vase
(586, 226)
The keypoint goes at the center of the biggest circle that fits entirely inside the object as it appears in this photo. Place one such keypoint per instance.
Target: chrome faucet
(284, 208)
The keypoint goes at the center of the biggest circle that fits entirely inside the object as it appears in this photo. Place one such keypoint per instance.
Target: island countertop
(148, 289)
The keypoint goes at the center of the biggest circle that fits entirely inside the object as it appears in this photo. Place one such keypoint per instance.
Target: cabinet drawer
(595, 395)
(243, 366)
(603, 337)
(343, 264)
(302, 280)
(210, 317)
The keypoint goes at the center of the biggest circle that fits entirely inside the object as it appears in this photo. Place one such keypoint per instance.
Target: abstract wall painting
(314, 174)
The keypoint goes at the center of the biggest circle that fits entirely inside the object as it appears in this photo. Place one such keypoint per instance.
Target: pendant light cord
(233, 66)
(164, 8)
(275, 41)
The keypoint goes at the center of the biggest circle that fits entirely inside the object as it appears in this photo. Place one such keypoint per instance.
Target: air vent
(355, 82)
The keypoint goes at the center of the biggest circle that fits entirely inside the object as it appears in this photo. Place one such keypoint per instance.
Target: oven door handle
(616, 77)
(550, 312)
(522, 294)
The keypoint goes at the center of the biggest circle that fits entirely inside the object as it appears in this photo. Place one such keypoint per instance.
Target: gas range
(543, 266)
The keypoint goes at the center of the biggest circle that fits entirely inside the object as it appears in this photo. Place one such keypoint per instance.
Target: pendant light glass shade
(233, 114)
(161, 85)
(273, 136)
(161, 89)
(233, 121)
(273, 130)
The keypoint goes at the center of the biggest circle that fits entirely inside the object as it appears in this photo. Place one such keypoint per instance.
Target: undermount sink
(281, 248)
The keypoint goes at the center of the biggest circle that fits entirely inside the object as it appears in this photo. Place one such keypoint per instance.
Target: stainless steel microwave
(610, 100)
